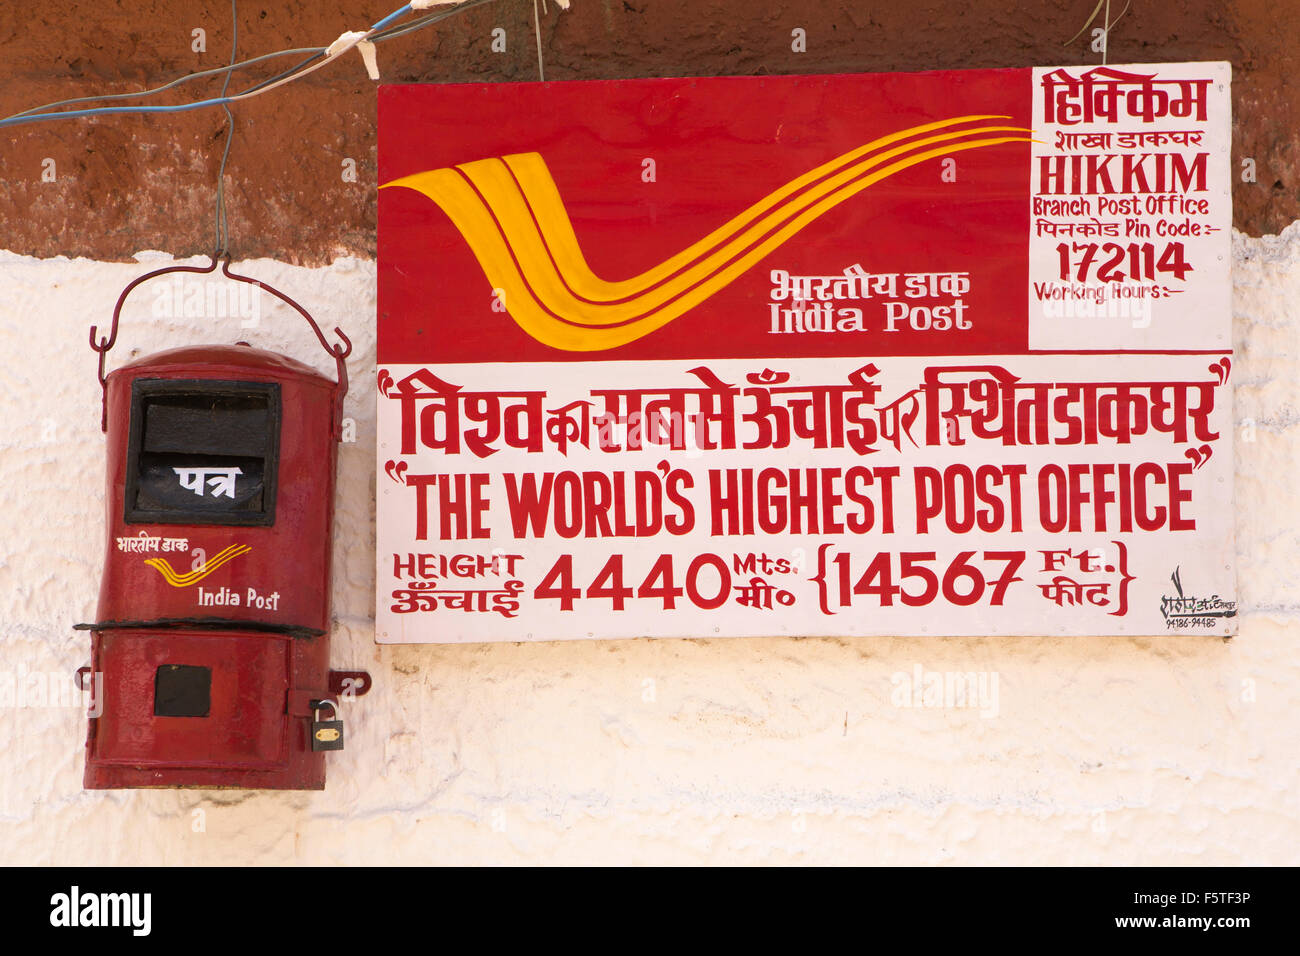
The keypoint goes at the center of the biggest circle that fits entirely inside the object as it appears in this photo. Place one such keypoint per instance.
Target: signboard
(941, 353)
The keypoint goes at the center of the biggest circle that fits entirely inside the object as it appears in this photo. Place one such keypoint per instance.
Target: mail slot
(203, 452)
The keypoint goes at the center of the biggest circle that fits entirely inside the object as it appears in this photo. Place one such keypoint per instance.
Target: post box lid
(237, 358)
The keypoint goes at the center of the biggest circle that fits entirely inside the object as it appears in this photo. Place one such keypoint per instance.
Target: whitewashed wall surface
(1091, 751)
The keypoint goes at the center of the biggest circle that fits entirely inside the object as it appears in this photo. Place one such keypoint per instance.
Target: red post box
(212, 631)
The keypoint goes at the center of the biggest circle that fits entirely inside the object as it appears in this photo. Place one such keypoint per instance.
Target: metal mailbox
(212, 630)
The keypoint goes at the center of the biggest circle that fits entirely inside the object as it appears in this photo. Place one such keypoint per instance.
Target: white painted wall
(1115, 751)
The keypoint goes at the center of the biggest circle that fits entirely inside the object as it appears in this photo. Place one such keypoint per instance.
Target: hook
(336, 350)
(107, 342)
(339, 352)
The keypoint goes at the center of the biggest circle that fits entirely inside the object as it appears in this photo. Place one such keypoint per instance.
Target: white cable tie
(356, 38)
(369, 59)
(346, 41)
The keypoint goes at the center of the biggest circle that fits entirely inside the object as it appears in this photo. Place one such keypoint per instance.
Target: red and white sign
(941, 353)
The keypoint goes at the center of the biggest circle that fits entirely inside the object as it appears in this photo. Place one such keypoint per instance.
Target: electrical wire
(390, 34)
(382, 30)
(379, 30)
(537, 30)
(174, 83)
(405, 28)
(400, 12)
(315, 55)
(223, 231)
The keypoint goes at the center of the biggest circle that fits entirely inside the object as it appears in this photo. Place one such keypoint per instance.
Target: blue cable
(178, 108)
(391, 17)
(108, 110)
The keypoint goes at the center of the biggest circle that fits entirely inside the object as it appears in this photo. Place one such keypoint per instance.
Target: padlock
(326, 734)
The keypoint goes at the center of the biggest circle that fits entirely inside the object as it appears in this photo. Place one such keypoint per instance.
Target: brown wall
(127, 183)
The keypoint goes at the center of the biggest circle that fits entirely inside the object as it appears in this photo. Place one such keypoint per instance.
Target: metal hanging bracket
(340, 351)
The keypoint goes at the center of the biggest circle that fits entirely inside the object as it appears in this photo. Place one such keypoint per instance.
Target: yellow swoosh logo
(163, 566)
(510, 212)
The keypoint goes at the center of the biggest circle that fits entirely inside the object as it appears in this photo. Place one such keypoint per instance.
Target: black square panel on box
(181, 690)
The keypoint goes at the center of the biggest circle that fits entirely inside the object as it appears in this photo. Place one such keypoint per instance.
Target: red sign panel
(939, 352)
